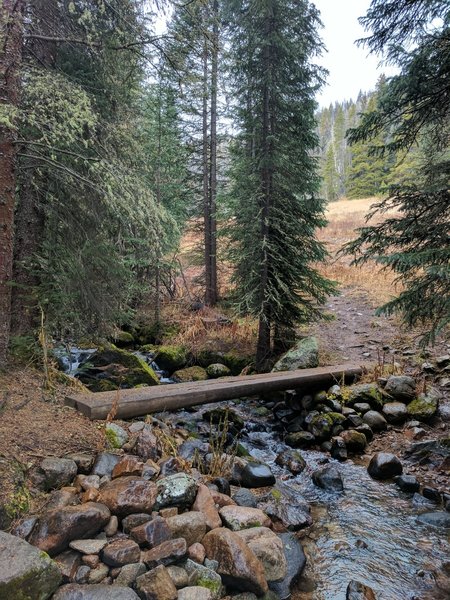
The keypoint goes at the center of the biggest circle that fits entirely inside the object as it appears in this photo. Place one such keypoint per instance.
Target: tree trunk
(11, 15)
(213, 155)
(205, 172)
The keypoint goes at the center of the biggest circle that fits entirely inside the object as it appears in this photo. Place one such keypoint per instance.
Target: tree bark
(206, 173)
(213, 153)
(11, 24)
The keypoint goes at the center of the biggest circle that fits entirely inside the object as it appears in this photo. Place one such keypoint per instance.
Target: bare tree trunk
(213, 153)
(11, 23)
(205, 172)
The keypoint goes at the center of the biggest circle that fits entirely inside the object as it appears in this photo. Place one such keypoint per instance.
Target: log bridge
(142, 401)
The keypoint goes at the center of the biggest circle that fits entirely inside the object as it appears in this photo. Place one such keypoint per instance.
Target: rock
(176, 490)
(98, 574)
(112, 526)
(287, 507)
(443, 361)
(132, 521)
(238, 566)
(243, 517)
(384, 465)
(268, 548)
(217, 370)
(353, 421)
(147, 445)
(359, 591)
(304, 355)
(291, 460)
(328, 478)
(407, 483)
(361, 407)
(74, 591)
(197, 553)
(205, 504)
(88, 546)
(151, 469)
(105, 463)
(401, 387)
(91, 560)
(432, 494)
(24, 528)
(255, 475)
(171, 465)
(116, 435)
(25, 572)
(128, 495)
(171, 358)
(190, 374)
(190, 525)
(58, 472)
(366, 430)
(87, 482)
(132, 370)
(84, 462)
(354, 441)
(368, 393)
(56, 529)
(68, 563)
(82, 574)
(300, 439)
(128, 465)
(395, 412)
(166, 553)
(295, 560)
(244, 497)
(191, 447)
(178, 575)
(129, 573)
(121, 552)
(152, 533)
(338, 449)
(195, 593)
(205, 577)
(61, 498)
(322, 425)
(375, 420)
(425, 406)
(439, 519)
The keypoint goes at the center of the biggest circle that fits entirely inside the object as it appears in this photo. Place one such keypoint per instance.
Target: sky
(350, 68)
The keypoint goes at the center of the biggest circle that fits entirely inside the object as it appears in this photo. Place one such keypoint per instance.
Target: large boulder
(26, 573)
(56, 529)
(304, 355)
(384, 465)
(171, 358)
(127, 495)
(238, 565)
(190, 374)
(401, 387)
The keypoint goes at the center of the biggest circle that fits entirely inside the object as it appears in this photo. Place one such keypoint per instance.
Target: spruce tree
(274, 173)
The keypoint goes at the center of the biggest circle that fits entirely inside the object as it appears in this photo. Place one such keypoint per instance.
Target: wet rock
(354, 441)
(84, 462)
(105, 463)
(304, 355)
(291, 460)
(353, 421)
(407, 483)
(128, 465)
(359, 591)
(128, 495)
(238, 566)
(74, 591)
(166, 553)
(170, 358)
(121, 366)
(190, 525)
(295, 560)
(375, 420)
(286, 506)
(195, 593)
(366, 393)
(25, 572)
(395, 412)
(88, 546)
(432, 494)
(68, 563)
(425, 406)
(132, 521)
(421, 502)
(217, 370)
(58, 472)
(361, 407)
(268, 548)
(384, 465)
(300, 439)
(338, 449)
(152, 533)
(147, 445)
(401, 387)
(129, 573)
(439, 519)
(116, 435)
(322, 425)
(205, 504)
(328, 478)
(244, 497)
(56, 529)
(366, 430)
(121, 552)
(205, 577)
(243, 517)
(255, 475)
(176, 490)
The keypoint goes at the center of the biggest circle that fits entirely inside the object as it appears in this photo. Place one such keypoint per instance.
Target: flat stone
(128, 495)
(189, 525)
(58, 472)
(152, 533)
(205, 504)
(121, 552)
(295, 561)
(56, 529)
(268, 548)
(242, 517)
(176, 490)
(166, 553)
(88, 546)
(156, 585)
(25, 572)
(128, 465)
(238, 566)
(384, 465)
(74, 591)
(105, 463)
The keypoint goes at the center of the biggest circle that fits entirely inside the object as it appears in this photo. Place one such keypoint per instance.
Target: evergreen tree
(415, 35)
(275, 182)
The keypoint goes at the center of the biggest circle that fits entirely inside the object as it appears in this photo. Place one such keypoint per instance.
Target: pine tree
(275, 182)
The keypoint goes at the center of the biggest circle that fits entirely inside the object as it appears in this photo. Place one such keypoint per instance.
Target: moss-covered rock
(217, 370)
(368, 393)
(116, 435)
(171, 358)
(425, 406)
(322, 426)
(237, 362)
(190, 374)
(122, 339)
(304, 355)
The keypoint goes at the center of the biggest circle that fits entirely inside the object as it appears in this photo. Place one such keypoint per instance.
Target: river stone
(368, 393)
(61, 498)
(295, 560)
(129, 573)
(147, 445)
(58, 472)
(401, 387)
(384, 465)
(128, 495)
(205, 504)
(338, 449)
(361, 407)
(25, 572)
(244, 497)
(291, 460)
(268, 548)
(121, 552)
(190, 448)
(375, 420)
(328, 478)
(243, 517)
(88, 546)
(359, 591)
(354, 440)
(195, 373)
(176, 490)
(425, 406)
(68, 563)
(166, 553)
(152, 533)
(238, 566)
(304, 355)
(190, 525)
(300, 439)
(24, 528)
(73, 591)
(105, 463)
(395, 412)
(116, 435)
(322, 425)
(286, 506)
(217, 370)
(407, 483)
(205, 577)
(255, 475)
(56, 529)
(366, 430)
(439, 519)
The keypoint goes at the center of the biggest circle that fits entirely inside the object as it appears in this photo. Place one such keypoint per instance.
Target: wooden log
(141, 401)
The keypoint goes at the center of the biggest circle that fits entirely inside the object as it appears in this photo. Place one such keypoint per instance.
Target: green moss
(113, 440)
(123, 338)
(236, 362)
(140, 372)
(102, 385)
(241, 451)
(171, 358)
(276, 495)
(210, 584)
(190, 374)
(422, 408)
(19, 503)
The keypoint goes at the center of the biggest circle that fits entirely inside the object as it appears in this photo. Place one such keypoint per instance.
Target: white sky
(350, 68)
